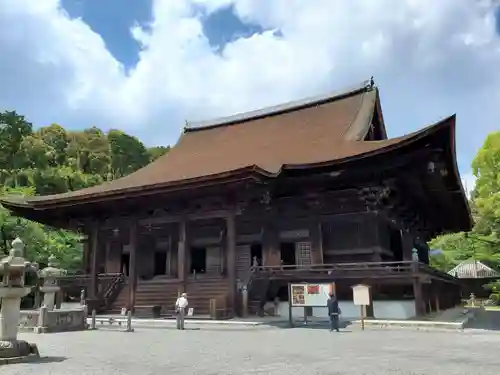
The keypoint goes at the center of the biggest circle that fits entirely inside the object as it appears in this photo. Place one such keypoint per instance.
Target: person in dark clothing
(333, 312)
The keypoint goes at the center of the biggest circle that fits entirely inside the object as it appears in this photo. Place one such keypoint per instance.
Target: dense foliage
(53, 160)
(483, 243)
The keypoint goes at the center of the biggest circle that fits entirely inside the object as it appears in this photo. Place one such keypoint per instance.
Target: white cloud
(431, 58)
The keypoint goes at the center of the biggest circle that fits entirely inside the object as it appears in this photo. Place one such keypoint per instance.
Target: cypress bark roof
(295, 135)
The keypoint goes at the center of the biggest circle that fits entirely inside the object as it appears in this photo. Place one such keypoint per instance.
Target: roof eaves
(386, 146)
(15, 201)
(141, 190)
(279, 109)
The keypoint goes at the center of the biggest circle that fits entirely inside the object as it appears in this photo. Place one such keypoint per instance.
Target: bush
(495, 298)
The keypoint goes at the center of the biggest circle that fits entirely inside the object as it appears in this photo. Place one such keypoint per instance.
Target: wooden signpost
(361, 298)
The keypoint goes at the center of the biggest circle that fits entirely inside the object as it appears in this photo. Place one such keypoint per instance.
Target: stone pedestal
(10, 346)
(10, 311)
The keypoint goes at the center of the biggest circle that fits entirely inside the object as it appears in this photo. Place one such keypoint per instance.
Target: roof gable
(471, 269)
(346, 102)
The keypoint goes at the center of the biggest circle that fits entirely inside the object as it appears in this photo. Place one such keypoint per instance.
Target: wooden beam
(231, 257)
(94, 248)
(320, 241)
(181, 253)
(190, 217)
(369, 250)
(133, 242)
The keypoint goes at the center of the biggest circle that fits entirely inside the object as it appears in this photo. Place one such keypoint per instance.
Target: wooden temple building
(309, 190)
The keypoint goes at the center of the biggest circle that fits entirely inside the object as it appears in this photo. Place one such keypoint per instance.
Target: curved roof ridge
(280, 108)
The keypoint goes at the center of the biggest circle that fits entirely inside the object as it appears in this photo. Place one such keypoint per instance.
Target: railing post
(85, 310)
(129, 322)
(92, 322)
(244, 300)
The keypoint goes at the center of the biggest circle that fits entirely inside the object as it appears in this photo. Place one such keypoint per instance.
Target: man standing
(333, 312)
(180, 310)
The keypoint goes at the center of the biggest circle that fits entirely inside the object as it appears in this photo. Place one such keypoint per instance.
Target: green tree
(157, 151)
(128, 154)
(57, 139)
(53, 160)
(13, 128)
(486, 168)
(40, 240)
(485, 207)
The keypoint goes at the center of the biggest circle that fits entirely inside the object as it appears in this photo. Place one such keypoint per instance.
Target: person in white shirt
(180, 309)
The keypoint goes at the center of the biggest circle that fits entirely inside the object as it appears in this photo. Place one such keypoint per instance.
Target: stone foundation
(53, 321)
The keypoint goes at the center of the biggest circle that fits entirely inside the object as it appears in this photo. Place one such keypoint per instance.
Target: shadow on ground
(49, 359)
(486, 320)
(321, 325)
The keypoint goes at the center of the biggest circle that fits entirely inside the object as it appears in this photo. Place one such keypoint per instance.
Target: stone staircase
(164, 292)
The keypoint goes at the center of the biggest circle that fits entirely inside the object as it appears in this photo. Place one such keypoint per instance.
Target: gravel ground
(211, 350)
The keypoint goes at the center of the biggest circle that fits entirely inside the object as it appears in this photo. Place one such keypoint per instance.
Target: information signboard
(361, 298)
(361, 295)
(310, 295)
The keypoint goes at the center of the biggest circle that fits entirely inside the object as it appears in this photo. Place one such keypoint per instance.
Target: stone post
(13, 270)
(41, 325)
(50, 286)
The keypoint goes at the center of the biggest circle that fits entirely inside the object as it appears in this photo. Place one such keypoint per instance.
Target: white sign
(361, 295)
(309, 295)
(190, 311)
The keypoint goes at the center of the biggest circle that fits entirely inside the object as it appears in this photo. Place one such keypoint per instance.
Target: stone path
(216, 350)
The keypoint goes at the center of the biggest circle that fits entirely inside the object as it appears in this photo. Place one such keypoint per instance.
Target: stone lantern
(13, 272)
(50, 286)
(414, 255)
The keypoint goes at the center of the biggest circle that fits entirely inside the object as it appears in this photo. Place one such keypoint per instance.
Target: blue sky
(147, 66)
(112, 19)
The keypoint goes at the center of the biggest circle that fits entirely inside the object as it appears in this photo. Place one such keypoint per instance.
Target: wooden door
(213, 260)
(303, 254)
(243, 261)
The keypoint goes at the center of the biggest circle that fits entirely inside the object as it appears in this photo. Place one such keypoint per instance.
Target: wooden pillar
(419, 297)
(407, 245)
(94, 250)
(132, 280)
(87, 256)
(231, 257)
(181, 253)
(316, 241)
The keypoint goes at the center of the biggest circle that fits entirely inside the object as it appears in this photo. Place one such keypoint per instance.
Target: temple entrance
(160, 266)
(287, 252)
(125, 263)
(256, 251)
(198, 259)
(396, 244)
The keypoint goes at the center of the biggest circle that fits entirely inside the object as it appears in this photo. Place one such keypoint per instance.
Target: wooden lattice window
(304, 253)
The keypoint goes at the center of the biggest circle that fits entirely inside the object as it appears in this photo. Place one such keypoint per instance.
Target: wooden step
(165, 292)
(201, 291)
